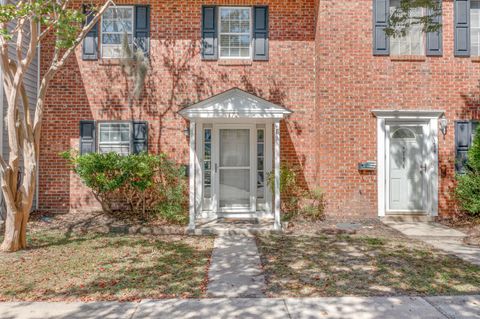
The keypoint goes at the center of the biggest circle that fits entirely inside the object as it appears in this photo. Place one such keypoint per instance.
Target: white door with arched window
(407, 161)
(408, 168)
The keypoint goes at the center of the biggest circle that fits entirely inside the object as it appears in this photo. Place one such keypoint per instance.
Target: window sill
(230, 62)
(476, 59)
(408, 58)
(110, 61)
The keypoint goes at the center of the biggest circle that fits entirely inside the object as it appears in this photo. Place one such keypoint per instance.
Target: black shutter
(381, 15)
(464, 134)
(87, 137)
(140, 137)
(260, 33)
(462, 28)
(142, 28)
(209, 33)
(90, 42)
(434, 39)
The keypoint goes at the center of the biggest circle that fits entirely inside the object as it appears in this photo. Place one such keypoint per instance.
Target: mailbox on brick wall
(367, 166)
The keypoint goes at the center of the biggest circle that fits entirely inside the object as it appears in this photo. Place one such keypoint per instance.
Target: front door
(233, 169)
(407, 169)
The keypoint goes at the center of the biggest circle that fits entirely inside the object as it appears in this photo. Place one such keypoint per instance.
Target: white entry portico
(234, 147)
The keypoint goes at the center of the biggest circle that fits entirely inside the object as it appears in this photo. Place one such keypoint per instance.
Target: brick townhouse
(236, 88)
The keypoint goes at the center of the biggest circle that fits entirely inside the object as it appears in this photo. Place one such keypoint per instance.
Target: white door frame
(207, 211)
(425, 124)
(430, 117)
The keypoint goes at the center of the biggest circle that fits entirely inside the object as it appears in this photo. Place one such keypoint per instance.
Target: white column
(277, 225)
(191, 177)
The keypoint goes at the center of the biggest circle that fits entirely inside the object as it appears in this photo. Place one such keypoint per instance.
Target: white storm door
(407, 187)
(233, 171)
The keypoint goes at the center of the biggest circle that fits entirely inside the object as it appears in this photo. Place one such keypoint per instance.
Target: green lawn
(105, 267)
(307, 266)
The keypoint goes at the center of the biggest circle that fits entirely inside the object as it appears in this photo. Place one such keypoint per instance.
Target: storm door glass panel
(234, 168)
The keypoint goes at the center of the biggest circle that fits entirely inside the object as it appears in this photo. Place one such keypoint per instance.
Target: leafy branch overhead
(405, 16)
(53, 16)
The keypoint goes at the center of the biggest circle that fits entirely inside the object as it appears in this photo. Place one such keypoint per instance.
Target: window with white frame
(115, 137)
(475, 27)
(116, 22)
(235, 32)
(413, 43)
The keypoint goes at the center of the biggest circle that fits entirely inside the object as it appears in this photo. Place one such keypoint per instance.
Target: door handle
(423, 168)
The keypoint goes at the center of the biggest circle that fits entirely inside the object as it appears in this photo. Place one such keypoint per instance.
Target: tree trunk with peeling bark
(18, 185)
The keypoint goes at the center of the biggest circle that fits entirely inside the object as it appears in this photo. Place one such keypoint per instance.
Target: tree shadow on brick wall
(277, 94)
(58, 188)
(186, 80)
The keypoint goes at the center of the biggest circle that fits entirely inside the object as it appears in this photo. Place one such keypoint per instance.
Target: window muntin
(413, 43)
(475, 27)
(235, 32)
(116, 21)
(114, 137)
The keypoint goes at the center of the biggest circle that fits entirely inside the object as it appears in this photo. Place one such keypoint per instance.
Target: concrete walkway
(440, 237)
(461, 307)
(235, 270)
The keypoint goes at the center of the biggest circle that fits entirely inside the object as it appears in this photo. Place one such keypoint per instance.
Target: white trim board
(408, 114)
(387, 117)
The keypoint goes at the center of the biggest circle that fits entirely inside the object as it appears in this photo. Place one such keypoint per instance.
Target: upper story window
(413, 43)
(475, 27)
(116, 22)
(235, 32)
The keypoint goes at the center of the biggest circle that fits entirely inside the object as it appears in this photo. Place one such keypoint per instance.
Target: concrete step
(406, 218)
(219, 231)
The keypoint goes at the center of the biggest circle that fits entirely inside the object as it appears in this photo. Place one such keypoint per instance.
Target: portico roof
(235, 103)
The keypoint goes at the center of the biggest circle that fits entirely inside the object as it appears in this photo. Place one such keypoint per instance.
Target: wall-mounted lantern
(443, 125)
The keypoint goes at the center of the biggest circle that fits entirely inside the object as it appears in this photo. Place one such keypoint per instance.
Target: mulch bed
(99, 222)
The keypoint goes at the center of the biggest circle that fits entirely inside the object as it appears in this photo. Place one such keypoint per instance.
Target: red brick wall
(178, 77)
(351, 82)
(321, 66)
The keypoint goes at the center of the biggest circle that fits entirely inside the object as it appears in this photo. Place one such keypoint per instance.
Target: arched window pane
(403, 133)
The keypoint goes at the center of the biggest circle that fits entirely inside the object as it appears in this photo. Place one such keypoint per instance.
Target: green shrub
(467, 191)
(314, 209)
(297, 202)
(146, 186)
